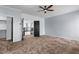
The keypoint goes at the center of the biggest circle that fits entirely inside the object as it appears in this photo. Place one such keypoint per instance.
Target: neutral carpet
(40, 45)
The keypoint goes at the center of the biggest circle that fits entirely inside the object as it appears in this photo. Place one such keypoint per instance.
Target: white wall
(8, 29)
(66, 25)
(31, 18)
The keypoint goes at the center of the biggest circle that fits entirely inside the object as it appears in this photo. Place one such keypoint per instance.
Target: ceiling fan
(46, 8)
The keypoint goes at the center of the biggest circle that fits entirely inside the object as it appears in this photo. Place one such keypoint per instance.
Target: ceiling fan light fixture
(45, 10)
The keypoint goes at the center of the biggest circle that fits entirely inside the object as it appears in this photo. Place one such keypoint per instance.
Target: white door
(17, 29)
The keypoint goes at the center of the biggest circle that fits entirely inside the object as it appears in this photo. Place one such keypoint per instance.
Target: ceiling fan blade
(50, 10)
(41, 7)
(49, 6)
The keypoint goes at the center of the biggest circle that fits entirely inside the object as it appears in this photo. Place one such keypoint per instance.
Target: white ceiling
(35, 10)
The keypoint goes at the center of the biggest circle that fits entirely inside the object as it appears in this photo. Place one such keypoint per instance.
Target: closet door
(36, 28)
(9, 33)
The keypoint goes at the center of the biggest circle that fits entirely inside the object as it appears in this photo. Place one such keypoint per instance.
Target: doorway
(30, 28)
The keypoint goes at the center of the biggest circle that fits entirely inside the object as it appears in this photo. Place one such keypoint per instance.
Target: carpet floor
(40, 45)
